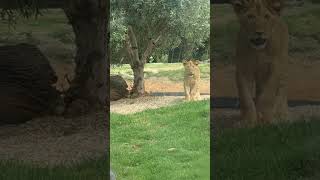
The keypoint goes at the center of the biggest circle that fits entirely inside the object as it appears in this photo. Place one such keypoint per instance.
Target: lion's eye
(251, 16)
(267, 16)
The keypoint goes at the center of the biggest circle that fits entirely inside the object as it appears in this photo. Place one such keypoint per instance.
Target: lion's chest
(190, 80)
(258, 63)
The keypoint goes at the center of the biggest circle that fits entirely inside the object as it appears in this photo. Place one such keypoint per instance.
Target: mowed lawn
(167, 143)
(278, 152)
(88, 170)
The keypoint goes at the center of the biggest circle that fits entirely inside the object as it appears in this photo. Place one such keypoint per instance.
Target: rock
(118, 88)
(26, 80)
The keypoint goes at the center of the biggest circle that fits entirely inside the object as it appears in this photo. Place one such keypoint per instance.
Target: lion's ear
(238, 5)
(276, 6)
(196, 62)
(184, 62)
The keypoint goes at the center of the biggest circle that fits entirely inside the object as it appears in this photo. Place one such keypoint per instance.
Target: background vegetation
(303, 24)
(184, 26)
(172, 71)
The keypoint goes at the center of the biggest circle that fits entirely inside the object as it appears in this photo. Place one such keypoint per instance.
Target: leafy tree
(90, 22)
(156, 26)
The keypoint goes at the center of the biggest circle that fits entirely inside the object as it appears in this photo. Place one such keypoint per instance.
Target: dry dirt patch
(303, 84)
(55, 140)
(130, 106)
(165, 85)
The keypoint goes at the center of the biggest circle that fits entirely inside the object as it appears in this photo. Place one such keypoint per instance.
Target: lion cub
(191, 79)
(261, 60)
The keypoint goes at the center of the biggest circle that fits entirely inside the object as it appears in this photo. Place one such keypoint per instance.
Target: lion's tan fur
(191, 80)
(261, 60)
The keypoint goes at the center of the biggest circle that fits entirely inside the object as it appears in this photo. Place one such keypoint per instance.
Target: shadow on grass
(282, 152)
(86, 170)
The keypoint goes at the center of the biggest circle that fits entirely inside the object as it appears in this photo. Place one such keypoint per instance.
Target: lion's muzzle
(258, 41)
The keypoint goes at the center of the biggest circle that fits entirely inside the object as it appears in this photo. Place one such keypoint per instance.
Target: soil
(157, 86)
(130, 106)
(165, 85)
(303, 84)
(55, 140)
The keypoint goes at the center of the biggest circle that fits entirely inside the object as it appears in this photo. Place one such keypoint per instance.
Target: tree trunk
(137, 63)
(89, 20)
(138, 82)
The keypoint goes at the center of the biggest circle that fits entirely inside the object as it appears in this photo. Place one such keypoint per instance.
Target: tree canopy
(178, 22)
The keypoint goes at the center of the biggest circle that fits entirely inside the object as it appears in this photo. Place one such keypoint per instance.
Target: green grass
(50, 31)
(52, 20)
(303, 23)
(88, 170)
(172, 71)
(281, 152)
(140, 143)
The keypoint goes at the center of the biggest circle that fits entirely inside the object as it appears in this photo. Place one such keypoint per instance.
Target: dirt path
(303, 83)
(165, 85)
(129, 106)
(55, 140)
(157, 86)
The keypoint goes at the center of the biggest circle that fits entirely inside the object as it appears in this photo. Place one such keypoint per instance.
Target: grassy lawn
(89, 170)
(283, 152)
(173, 71)
(303, 23)
(166, 143)
(51, 24)
(51, 32)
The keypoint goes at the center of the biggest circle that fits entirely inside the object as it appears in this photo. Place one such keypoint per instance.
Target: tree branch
(134, 46)
(151, 45)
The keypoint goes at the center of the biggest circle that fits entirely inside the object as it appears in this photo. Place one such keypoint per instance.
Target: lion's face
(191, 67)
(257, 18)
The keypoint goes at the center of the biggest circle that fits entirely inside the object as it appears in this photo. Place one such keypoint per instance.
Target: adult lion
(191, 80)
(261, 60)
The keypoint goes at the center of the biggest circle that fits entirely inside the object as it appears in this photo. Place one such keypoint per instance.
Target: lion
(191, 79)
(261, 60)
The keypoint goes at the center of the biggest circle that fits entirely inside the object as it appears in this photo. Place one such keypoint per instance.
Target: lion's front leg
(267, 85)
(195, 92)
(187, 91)
(247, 106)
(281, 106)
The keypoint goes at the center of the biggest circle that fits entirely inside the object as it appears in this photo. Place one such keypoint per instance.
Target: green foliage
(10, 10)
(140, 143)
(117, 37)
(180, 22)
